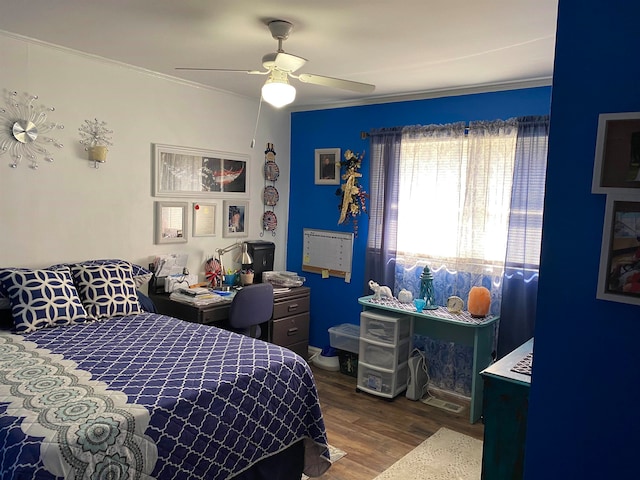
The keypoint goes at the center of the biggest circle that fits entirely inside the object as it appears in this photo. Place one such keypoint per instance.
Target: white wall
(70, 211)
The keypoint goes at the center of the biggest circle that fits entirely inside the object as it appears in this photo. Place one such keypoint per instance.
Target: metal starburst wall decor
(95, 133)
(23, 128)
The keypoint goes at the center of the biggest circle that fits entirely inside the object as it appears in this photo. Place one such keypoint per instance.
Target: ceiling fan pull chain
(255, 129)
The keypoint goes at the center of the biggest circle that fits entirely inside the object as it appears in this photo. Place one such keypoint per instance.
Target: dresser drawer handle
(293, 306)
(292, 331)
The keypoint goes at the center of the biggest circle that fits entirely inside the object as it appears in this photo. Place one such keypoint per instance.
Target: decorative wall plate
(271, 171)
(270, 196)
(269, 221)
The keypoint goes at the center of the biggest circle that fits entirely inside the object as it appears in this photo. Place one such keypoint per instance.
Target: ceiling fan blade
(336, 83)
(229, 70)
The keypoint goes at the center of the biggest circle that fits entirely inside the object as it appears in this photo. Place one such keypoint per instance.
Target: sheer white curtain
(455, 191)
(433, 166)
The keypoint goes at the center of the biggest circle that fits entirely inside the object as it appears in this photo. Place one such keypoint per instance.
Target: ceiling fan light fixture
(277, 91)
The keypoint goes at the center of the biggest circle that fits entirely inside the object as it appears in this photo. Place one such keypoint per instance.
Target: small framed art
(171, 222)
(327, 166)
(235, 218)
(204, 219)
(619, 275)
(617, 160)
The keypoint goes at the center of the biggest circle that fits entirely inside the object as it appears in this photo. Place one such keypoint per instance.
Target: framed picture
(171, 222)
(619, 275)
(204, 219)
(617, 163)
(192, 172)
(236, 214)
(327, 166)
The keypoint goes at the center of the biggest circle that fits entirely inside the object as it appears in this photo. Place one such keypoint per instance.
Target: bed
(94, 386)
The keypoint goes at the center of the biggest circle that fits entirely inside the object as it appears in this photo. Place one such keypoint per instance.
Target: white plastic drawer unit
(385, 383)
(385, 342)
(384, 328)
(381, 355)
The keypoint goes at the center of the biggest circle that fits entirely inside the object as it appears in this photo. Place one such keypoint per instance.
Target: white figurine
(380, 291)
(405, 296)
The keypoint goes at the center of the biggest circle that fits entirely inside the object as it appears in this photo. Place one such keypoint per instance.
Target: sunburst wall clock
(24, 126)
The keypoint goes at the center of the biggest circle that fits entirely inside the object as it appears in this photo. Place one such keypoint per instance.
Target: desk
(288, 326)
(460, 328)
(506, 399)
(205, 314)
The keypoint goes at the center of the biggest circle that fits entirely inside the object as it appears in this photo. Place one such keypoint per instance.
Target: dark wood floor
(374, 431)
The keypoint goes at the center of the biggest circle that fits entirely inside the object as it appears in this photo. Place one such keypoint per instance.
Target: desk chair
(250, 307)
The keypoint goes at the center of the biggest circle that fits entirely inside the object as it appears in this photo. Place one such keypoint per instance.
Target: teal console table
(461, 328)
(506, 401)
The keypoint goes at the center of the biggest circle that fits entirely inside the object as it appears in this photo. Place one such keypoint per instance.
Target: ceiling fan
(280, 66)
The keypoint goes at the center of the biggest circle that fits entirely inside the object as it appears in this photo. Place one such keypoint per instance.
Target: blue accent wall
(585, 386)
(316, 206)
(583, 410)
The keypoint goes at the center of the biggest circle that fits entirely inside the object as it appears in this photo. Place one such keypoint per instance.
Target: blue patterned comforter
(148, 396)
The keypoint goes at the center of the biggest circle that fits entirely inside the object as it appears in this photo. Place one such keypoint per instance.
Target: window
(455, 194)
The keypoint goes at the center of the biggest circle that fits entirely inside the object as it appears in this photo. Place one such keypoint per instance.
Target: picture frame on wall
(619, 274)
(327, 166)
(204, 219)
(617, 160)
(235, 217)
(193, 172)
(171, 222)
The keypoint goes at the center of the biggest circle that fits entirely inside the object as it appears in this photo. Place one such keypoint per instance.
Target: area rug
(335, 454)
(445, 455)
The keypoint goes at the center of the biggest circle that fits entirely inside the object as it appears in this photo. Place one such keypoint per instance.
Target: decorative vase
(246, 278)
(479, 301)
(98, 153)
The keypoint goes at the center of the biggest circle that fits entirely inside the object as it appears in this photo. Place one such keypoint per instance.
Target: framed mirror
(171, 222)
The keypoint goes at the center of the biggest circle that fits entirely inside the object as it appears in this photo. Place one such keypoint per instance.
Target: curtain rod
(521, 121)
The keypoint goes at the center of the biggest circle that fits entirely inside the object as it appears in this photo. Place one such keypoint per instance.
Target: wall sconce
(96, 137)
(23, 126)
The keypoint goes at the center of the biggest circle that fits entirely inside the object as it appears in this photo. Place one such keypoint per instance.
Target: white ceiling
(407, 48)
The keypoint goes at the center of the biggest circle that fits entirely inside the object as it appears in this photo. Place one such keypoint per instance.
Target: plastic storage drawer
(382, 382)
(384, 328)
(382, 355)
(345, 337)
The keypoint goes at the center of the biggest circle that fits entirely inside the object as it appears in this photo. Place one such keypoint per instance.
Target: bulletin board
(327, 252)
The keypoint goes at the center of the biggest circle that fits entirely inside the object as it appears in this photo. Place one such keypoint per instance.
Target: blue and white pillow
(141, 275)
(42, 298)
(107, 290)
